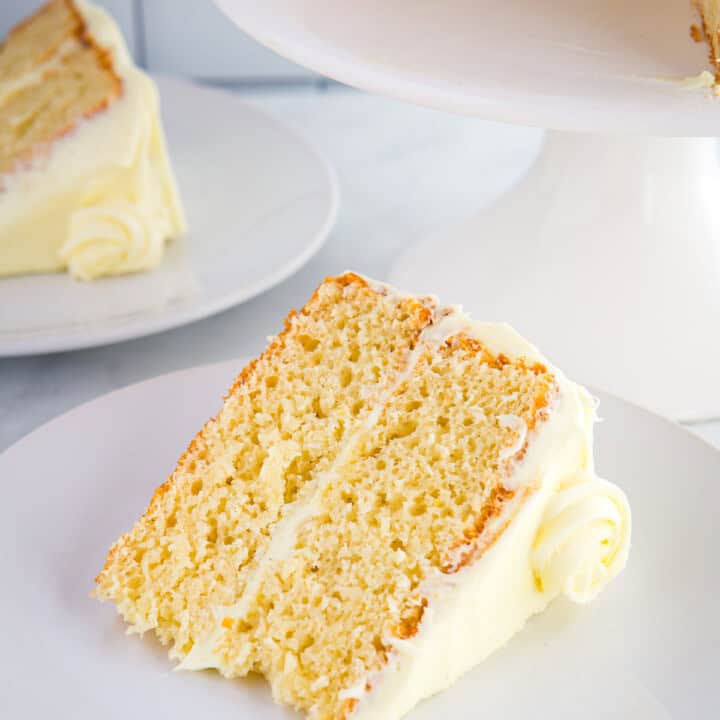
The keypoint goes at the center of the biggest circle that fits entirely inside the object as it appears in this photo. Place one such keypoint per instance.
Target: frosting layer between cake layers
(566, 531)
(104, 200)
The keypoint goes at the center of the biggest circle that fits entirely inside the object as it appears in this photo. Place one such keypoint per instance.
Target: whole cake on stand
(607, 251)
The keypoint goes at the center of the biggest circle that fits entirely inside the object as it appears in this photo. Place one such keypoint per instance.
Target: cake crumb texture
(409, 503)
(369, 449)
(281, 425)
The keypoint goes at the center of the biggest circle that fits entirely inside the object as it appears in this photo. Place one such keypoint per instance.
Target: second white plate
(260, 202)
(646, 649)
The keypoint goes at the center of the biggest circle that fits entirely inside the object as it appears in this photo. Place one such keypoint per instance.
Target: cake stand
(607, 254)
(646, 649)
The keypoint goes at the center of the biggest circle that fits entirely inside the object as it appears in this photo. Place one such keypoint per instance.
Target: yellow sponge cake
(85, 182)
(386, 496)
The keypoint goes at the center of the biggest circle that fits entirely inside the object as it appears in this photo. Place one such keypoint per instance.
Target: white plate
(260, 202)
(565, 64)
(646, 649)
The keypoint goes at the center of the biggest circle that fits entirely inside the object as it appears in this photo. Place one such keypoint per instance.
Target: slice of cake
(85, 182)
(387, 494)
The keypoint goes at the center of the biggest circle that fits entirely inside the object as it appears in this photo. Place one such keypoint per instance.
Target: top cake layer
(387, 494)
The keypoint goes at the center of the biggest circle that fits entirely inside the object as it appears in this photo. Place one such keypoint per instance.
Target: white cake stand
(607, 254)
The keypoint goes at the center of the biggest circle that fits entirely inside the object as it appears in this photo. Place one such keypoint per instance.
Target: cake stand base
(607, 256)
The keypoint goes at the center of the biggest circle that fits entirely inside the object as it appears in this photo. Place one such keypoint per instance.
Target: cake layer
(283, 424)
(410, 501)
(86, 184)
(388, 494)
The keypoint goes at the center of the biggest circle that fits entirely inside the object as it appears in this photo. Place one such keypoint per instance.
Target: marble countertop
(404, 171)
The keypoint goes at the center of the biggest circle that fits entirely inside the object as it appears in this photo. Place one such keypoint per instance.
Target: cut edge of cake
(298, 328)
(547, 504)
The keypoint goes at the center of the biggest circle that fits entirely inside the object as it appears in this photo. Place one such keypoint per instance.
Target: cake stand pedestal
(607, 254)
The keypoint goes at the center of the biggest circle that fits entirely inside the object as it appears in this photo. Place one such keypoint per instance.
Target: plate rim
(154, 321)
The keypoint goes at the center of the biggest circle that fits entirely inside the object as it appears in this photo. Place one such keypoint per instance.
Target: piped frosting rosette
(583, 540)
(110, 239)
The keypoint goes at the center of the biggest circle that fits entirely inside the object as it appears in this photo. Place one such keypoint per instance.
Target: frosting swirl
(583, 540)
(110, 239)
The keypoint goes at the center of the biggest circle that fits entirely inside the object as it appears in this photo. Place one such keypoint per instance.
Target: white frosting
(704, 80)
(104, 201)
(111, 238)
(519, 426)
(583, 539)
(564, 531)
(383, 288)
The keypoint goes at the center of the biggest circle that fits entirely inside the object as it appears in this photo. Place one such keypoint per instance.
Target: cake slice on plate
(386, 496)
(85, 181)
